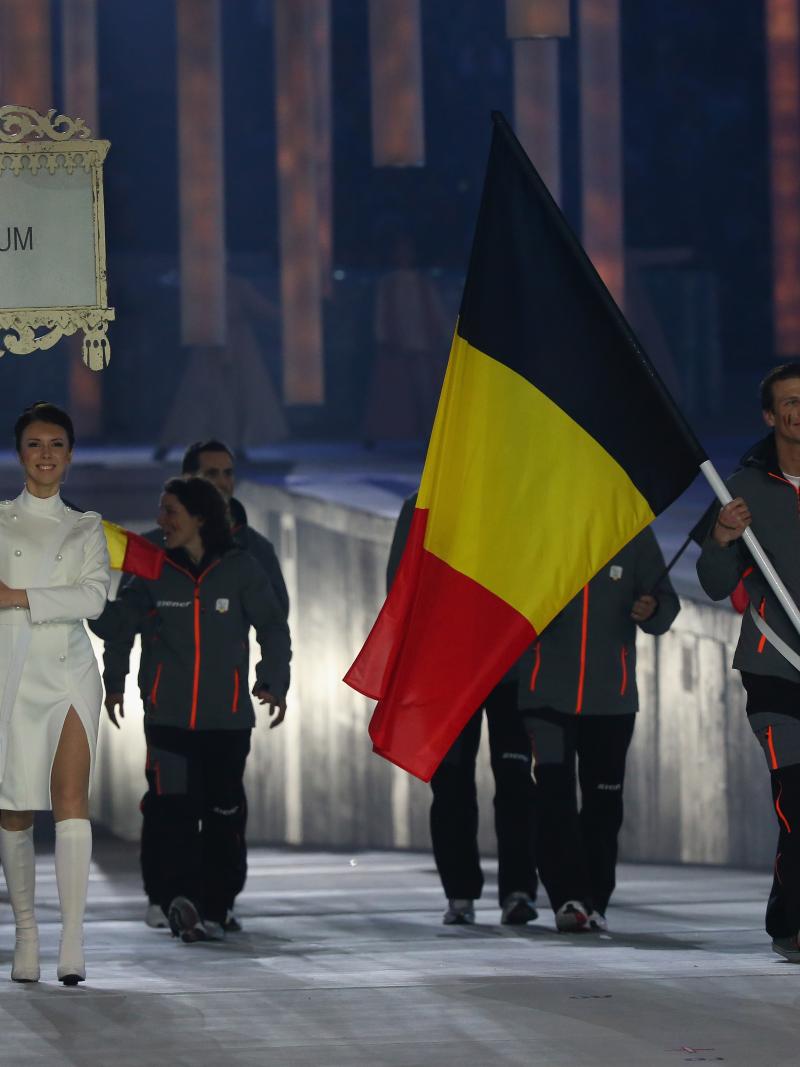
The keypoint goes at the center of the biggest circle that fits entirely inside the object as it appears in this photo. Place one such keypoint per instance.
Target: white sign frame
(32, 144)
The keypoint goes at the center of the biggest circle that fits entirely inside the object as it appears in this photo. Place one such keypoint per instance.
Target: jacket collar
(238, 514)
(182, 561)
(763, 455)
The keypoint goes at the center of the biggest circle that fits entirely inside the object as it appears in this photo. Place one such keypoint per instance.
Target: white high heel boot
(73, 854)
(19, 867)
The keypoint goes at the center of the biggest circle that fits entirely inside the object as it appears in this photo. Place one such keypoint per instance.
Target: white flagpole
(757, 552)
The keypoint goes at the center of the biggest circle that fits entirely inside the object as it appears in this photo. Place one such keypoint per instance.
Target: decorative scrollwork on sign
(52, 252)
(19, 123)
(38, 332)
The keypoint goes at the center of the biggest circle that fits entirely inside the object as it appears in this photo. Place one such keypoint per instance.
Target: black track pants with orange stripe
(779, 736)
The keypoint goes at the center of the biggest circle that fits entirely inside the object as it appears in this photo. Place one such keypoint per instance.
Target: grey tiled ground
(345, 962)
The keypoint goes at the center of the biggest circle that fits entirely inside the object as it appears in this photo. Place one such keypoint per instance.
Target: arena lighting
(25, 61)
(79, 61)
(537, 18)
(201, 170)
(323, 121)
(783, 76)
(537, 113)
(601, 141)
(301, 246)
(395, 59)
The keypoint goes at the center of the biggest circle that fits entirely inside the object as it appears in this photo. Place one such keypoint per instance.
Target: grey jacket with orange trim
(117, 653)
(585, 661)
(196, 664)
(775, 506)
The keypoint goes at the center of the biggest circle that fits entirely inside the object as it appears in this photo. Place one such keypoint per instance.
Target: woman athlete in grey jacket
(194, 620)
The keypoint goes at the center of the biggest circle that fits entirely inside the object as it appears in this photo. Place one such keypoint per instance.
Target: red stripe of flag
(420, 656)
(142, 557)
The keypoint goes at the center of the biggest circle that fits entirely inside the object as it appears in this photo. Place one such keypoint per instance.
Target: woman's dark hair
(203, 501)
(41, 411)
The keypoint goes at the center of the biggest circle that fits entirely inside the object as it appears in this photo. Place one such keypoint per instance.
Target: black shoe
(518, 909)
(185, 922)
(460, 912)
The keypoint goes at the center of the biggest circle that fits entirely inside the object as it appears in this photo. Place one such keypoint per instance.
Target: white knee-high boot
(73, 854)
(19, 867)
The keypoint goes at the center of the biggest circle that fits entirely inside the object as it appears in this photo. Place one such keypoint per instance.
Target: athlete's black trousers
(577, 849)
(454, 810)
(779, 736)
(194, 817)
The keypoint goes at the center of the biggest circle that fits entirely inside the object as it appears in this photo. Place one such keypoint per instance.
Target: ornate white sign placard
(52, 235)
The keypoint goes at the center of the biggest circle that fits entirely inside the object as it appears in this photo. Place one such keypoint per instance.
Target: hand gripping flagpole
(757, 552)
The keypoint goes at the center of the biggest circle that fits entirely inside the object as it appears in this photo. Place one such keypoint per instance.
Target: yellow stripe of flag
(483, 520)
(117, 543)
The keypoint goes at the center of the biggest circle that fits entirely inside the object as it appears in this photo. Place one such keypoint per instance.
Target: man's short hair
(191, 457)
(777, 374)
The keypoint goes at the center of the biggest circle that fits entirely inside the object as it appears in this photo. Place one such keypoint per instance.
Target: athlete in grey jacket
(198, 713)
(214, 461)
(766, 493)
(579, 697)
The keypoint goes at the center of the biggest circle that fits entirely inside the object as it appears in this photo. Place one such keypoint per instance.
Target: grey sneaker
(788, 948)
(155, 917)
(232, 925)
(459, 912)
(518, 909)
(184, 921)
(214, 931)
(572, 917)
(598, 923)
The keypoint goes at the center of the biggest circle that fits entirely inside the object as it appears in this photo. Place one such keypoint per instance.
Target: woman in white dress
(53, 575)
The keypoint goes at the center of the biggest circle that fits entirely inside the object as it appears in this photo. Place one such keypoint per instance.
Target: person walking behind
(198, 716)
(579, 698)
(766, 491)
(54, 573)
(214, 461)
(454, 807)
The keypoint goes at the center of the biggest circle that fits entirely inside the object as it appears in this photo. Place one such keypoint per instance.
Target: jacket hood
(763, 455)
(238, 513)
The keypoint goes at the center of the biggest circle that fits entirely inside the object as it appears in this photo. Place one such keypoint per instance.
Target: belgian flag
(131, 553)
(554, 444)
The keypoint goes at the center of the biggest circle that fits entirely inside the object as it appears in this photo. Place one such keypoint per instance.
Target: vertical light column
(79, 62)
(298, 162)
(323, 118)
(783, 74)
(26, 76)
(601, 141)
(201, 172)
(537, 111)
(537, 18)
(395, 57)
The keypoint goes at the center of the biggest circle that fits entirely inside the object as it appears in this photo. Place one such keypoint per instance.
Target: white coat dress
(60, 670)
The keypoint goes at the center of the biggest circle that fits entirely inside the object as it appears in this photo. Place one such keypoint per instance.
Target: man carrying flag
(767, 495)
(554, 444)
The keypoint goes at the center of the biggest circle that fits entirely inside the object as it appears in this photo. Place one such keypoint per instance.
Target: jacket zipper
(154, 690)
(235, 707)
(624, 657)
(584, 635)
(197, 649)
(762, 608)
(197, 657)
(537, 662)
